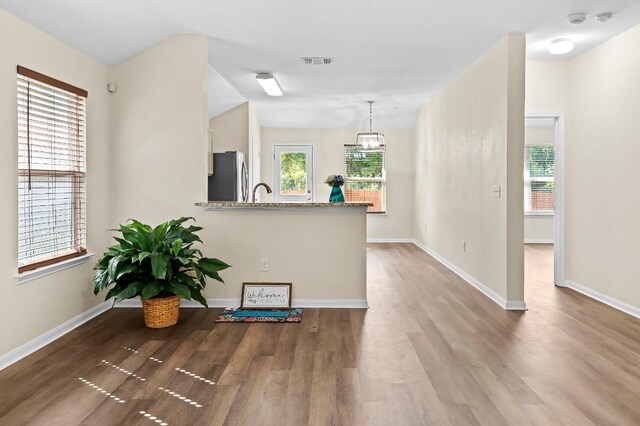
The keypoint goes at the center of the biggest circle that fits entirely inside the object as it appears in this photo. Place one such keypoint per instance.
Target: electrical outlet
(264, 264)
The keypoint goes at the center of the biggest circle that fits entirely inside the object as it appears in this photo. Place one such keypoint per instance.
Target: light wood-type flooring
(431, 350)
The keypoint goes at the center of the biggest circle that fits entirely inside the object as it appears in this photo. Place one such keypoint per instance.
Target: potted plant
(158, 264)
(335, 182)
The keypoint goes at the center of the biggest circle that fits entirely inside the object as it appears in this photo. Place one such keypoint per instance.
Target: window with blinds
(365, 177)
(539, 172)
(51, 170)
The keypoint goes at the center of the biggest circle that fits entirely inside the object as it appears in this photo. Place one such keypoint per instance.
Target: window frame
(76, 179)
(382, 180)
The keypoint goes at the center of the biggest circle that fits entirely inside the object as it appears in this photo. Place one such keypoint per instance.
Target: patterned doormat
(250, 315)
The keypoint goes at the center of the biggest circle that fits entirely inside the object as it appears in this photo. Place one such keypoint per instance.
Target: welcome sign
(266, 296)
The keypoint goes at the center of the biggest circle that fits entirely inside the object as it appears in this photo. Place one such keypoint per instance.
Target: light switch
(496, 191)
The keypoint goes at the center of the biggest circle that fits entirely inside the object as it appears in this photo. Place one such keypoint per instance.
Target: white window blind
(365, 177)
(51, 170)
(539, 172)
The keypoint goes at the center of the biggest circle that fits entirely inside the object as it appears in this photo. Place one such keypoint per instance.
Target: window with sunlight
(366, 177)
(51, 170)
(539, 171)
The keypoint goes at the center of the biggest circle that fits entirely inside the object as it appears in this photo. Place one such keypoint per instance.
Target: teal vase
(336, 195)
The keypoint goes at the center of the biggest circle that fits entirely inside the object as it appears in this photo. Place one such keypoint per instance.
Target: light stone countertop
(234, 205)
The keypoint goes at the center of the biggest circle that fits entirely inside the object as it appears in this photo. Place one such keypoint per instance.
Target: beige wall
(547, 87)
(159, 138)
(601, 169)
(471, 137)
(35, 307)
(231, 129)
(235, 130)
(321, 251)
(159, 131)
(329, 149)
(547, 91)
(598, 93)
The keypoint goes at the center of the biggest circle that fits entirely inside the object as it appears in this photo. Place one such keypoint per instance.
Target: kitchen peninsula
(318, 247)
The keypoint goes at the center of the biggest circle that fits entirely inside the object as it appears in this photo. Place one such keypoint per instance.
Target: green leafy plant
(334, 180)
(156, 262)
(293, 176)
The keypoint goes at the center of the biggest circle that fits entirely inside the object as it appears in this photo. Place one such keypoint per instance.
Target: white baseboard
(234, 303)
(538, 241)
(510, 305)
(390, 240)
(331, 303)
(44, 339)
(515, 305)
(607, 300)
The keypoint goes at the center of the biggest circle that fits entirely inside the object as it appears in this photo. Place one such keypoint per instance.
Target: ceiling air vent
(316, 60)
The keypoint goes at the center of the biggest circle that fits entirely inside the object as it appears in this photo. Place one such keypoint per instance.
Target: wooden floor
(431, 350)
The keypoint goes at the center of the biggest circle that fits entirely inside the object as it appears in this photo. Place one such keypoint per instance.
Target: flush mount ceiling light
(269, 84)
(560, 46)
(370, 140)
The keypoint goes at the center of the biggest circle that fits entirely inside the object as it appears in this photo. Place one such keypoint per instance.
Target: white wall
(329, 146)
(471, 137)
(601, 171)
(30, 309)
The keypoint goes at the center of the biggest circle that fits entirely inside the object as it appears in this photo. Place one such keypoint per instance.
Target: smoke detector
(577, 18)
(317, 60)
(604, 17)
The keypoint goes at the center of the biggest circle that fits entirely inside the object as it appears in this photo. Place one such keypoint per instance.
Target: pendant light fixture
(370, 140)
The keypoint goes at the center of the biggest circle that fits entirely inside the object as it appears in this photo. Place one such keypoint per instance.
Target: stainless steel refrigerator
(230, 179)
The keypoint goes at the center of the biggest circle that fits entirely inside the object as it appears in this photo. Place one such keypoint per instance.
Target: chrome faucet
(253, 195)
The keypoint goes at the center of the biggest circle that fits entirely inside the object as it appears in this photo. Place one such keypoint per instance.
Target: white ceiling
(396, 53)
(222, 95)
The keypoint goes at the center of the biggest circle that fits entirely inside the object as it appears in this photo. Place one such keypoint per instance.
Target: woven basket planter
(161, 312)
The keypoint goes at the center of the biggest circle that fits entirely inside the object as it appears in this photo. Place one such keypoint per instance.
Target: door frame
(313, 166)
(255, 161)
(559, 191)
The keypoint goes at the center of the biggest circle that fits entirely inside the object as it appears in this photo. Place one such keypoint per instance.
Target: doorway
(544, 193)
(293, 167)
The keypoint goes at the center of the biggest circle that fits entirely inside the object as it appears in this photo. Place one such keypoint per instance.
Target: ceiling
(396, 53)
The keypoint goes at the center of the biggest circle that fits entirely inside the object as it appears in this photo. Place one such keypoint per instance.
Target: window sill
(51, 269)
(377, 213)
(539, 214)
